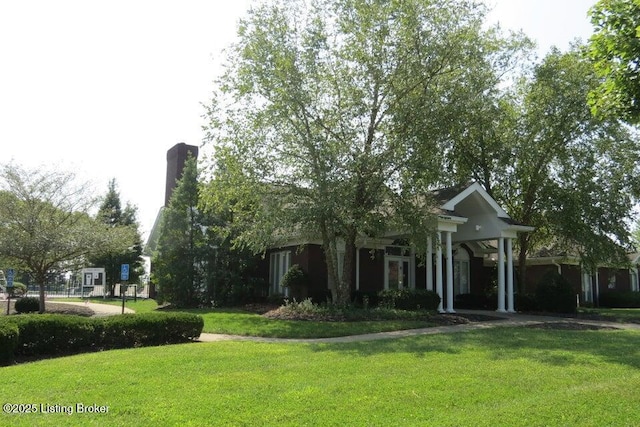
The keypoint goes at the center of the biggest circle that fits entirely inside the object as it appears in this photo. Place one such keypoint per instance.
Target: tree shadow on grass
(547, 346)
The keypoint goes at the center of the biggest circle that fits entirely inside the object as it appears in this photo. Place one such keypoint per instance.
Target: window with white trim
(461, 272)
(587, 288)
(279, 263)
(633, 276)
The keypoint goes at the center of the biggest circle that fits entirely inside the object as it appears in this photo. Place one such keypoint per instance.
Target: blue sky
(106, 88)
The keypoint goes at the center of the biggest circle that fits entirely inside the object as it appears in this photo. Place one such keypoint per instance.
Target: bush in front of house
(472, 301)
(365, 299)
(297, 281)
(626, 299)
(526, 302)
(27, 305)
(555, 294)
(8, 342)
(409, 299)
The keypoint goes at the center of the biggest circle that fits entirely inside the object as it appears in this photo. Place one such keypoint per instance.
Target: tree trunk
(522, 263)
(348, 269)
(42, 307)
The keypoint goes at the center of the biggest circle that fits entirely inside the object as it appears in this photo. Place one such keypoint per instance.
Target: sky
(105, 88)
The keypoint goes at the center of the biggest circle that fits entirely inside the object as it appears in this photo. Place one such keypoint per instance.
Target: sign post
(124, 276)
(10, 275)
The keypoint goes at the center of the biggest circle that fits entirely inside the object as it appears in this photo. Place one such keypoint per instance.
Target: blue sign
(10, 274)
(124, 272)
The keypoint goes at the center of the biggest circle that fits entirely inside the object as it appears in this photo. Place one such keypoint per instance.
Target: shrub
(27, 305)
(19, 289)
(627, 299)
(228, 288)
(365, 299)
(40, 334)
(303, 309)
(295, 277)
(145, 329)
(8, 342)
(54, 333)
(472, 301)
(526, 302)
(555, 294)
(409, 299)
(297, 281)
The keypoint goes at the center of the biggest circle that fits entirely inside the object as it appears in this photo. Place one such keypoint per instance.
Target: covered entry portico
(471, 215)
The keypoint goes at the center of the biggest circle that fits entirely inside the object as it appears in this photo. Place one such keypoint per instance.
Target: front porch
(472, 234)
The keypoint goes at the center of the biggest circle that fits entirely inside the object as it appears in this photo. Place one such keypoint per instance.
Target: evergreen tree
(113, 216)
(179, 264)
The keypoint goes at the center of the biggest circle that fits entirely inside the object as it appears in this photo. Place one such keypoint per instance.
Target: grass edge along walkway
(507, 321)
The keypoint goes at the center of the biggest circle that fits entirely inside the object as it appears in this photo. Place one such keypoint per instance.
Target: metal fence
(98, 291)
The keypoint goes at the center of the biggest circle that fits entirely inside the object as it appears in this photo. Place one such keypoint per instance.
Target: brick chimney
(176, 157)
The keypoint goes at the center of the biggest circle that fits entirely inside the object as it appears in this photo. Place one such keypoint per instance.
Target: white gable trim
(475, 187)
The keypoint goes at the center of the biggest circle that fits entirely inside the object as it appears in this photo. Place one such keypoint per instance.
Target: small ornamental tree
(45, 226)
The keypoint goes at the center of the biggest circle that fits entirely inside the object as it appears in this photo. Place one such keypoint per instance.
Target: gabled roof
(475, 187)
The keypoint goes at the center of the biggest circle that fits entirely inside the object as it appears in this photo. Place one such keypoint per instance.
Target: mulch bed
(570, 326)
(282, 313)
(56, 308)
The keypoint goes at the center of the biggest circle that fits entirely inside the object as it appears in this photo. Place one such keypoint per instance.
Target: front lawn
(239, 322)
(492, 377)
(613, 314)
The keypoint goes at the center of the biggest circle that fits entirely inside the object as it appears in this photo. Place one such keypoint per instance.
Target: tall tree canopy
(112, 215)
(558, 167)
(45, 226)
(329, 120)
(615, 50)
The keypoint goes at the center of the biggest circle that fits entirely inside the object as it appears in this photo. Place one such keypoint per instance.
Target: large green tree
(181, 259)
(328, 122)
(614, 48)
(113, 216)
(45, 226)
(558, 167)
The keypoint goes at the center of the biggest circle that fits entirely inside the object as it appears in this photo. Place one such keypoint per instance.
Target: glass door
(396, 273)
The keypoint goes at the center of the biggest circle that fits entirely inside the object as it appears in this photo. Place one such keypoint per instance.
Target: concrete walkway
(100, 310)
(505, 320)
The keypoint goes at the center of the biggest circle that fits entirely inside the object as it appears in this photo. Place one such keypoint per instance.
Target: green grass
(614, 314)
(139, 306)
(238, 322)
(496, 377)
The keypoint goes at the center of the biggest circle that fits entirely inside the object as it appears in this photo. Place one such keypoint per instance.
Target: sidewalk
(100, 310)
(507, 319)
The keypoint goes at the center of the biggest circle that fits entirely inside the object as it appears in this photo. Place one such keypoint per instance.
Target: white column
(439, 271)
(449, 275)
(357, 269)
(429, 264)
(501, 292)
(510, 307)
(597, 290)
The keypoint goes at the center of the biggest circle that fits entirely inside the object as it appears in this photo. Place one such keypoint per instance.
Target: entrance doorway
(396, 272)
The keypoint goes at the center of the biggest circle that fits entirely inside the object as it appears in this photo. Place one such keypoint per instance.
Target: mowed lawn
(492, 377)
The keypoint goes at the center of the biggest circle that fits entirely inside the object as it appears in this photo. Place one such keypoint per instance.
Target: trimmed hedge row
(409, 299)
(627, 299)
(50, 334)
(8, 342)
